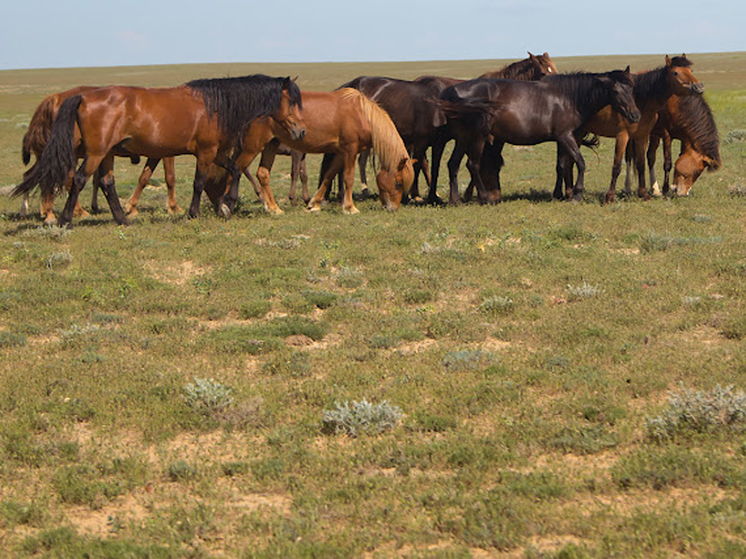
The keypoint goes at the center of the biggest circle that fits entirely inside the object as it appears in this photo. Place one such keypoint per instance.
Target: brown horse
(652, 90)
(342, 123)
(36, 138)
(205, 118)
(688, 119)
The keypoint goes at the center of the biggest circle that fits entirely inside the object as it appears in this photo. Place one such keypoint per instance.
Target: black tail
(25, 152)
(58, 159)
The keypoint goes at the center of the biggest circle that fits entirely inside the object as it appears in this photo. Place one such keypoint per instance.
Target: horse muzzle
(697, 88)
(633, 116)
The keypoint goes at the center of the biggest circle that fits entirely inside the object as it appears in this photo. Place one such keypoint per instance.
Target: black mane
(522, 70)
(236, 102)
(583, 88)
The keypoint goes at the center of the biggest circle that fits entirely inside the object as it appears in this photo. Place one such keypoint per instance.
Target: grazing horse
(204, 118)
(652, 90)
(36, 138)
(419, 121)
(342, 123)
(483, 115)
(688, 119)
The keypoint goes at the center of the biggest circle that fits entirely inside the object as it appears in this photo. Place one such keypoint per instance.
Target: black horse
(419, 121)
(484, 114)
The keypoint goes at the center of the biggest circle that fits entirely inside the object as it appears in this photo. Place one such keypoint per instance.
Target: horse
(690, 120)
(484, 114)
(418, 121)
(204, 118)
(651, 91)
(342, 123)
(35, 140)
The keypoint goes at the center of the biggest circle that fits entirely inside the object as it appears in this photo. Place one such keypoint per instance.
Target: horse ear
(531, 56)
(626, 70)
(402, 163)
(546, 55)
(668, 61)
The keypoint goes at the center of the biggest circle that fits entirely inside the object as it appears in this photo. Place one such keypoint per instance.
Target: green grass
(527, 347)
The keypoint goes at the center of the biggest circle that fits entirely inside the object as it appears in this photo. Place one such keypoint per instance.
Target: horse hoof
(351, 211)
(224, 211)
(314, 209)
(274, 211)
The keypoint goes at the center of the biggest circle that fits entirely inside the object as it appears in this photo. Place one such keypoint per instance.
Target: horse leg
(203, 164)
(314, 204)
(348, 206)
(653, 144)
(570, 147)
(559, 181)
(263, 173)
(667, 163)
(437, 154)
(169, 172)
(489, 171)
(303, 171)
(362, 163)
(619, 149)
(105, 178)
(294, 172)
(234, 173)
(79, 178)
(147, 172)
(640, 146)
(454, 162)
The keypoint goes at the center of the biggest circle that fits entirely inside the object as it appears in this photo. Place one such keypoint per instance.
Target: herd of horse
(226, 123)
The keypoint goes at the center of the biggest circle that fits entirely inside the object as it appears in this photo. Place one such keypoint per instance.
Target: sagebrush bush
(697, 411)
(361, 418)
(208, 396)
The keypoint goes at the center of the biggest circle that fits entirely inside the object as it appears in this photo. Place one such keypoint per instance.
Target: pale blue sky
(73, 33)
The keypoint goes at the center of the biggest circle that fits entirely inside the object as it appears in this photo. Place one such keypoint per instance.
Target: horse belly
(522, 129)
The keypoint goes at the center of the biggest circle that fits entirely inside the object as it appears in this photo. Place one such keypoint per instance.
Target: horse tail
(387, 143)
(58, 158)
(39, 128)
(475, 113)
(591, 141)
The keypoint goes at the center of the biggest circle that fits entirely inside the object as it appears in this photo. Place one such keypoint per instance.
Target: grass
(519, 357)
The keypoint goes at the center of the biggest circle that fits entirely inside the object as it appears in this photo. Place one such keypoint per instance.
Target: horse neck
(387, 143)
(652, 89)
(586, 94)
(691, 121)
(524, 70)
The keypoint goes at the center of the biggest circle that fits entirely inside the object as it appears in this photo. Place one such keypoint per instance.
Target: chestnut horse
(688, 119)
(342, 123)
(35, 140)
(419, 121)
(204, 118)
(485, 114)
(651, 92)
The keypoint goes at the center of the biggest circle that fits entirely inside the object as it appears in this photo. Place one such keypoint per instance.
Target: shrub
(584, 291)
(697, 411)
(361, 417)
(468, 360)
(497, 305)
(208, 396)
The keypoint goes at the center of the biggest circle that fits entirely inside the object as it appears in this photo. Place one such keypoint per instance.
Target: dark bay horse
(419, 121)
(204, 118)
(36, 138)
(651, 91)
(689, 119)
(485, 114)
(341, 123)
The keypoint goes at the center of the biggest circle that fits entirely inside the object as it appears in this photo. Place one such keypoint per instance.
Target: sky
(83, 33)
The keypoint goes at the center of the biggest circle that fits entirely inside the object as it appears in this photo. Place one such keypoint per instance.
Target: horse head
(620, 86)
(680, 77)
(392, 184)
(689, 166)
(543, 64)
(289, 114)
